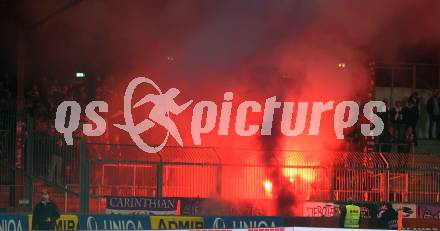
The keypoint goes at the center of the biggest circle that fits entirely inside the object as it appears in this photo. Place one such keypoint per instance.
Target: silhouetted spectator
(83, 98)
(388, 217)
(386, 115)
(34, 93)
(406, 145)
(433, 108)
(397, 118)
(386, 139)
(45, 213)
(56, 166)
(411, 117)
(414, 98)
(54, 96)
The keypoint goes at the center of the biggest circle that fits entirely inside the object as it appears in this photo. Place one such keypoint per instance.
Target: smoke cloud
(257, 49)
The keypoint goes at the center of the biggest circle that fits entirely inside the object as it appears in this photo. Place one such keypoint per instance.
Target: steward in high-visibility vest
(352, 216)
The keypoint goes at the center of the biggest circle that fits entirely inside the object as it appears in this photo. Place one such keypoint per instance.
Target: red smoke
(255, 49)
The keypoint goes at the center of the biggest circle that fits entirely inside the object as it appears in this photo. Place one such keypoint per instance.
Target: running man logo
(204, 116)
(176, 222)
(164, 105)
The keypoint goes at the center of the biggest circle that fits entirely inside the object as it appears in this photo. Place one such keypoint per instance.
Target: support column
(414, 78)
(159, 180)
(84, 179)
(29, 190)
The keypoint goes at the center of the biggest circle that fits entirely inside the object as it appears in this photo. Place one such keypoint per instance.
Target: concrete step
(428, 147)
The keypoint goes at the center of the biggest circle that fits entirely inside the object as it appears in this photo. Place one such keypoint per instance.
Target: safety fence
(15, 197)
(96, 171)
(226, 174)
(241, 174)
(136, 222)
(7, 145)
(31, 162)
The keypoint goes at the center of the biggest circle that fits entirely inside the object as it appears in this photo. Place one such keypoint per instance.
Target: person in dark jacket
(411, 117)
(386, 140)
(388, 217)
(386, 114)
(433, 108)
(45, 213)
(397, 119)
(414, 98)
(407, 144)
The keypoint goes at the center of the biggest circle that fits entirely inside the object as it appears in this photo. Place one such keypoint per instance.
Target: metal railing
(54, 160)
(31, 162)
(206, 172)
(99, 170)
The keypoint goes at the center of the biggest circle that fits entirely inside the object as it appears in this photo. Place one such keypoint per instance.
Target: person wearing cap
(45, 213)
(350, 215)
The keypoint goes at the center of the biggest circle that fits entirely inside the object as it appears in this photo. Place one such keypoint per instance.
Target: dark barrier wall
(176, 222)
(422, 223)
(235, 222)
(15, 222)
(328, 222)
(408, 223)
(114, 222)
(311, 222)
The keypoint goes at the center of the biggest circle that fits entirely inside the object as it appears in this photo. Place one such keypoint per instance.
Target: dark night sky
(113, 36)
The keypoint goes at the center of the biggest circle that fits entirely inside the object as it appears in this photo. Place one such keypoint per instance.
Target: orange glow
(305, 173)
(268, 186)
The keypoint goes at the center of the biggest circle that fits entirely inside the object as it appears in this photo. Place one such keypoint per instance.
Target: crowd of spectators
(59, 160)
(41, 99)
(401, 122)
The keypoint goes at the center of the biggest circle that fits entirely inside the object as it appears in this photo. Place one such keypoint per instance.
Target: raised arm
(146, 98)
(176, 109)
